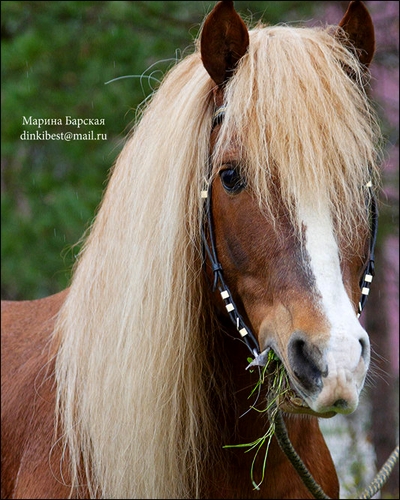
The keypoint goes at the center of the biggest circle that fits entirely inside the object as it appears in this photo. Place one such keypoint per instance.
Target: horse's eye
(232, 181)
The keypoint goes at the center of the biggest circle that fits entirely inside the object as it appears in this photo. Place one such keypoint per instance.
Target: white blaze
(346, 368)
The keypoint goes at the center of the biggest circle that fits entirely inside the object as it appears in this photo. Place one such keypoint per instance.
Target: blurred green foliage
(56, 58)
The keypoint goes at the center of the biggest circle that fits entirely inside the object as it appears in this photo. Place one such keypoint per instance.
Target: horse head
(293, 274)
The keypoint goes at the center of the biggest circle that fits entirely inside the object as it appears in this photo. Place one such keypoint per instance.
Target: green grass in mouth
(275, 375)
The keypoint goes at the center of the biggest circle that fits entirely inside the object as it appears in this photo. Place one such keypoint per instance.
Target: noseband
(210, 251)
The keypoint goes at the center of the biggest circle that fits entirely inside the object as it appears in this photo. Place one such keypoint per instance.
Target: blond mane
(133, 372)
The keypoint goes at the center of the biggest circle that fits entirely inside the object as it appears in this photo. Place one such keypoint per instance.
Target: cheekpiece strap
(369, 273)
(210, 252)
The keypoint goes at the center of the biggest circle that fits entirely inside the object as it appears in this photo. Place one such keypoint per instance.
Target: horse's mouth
(286, 397)
(291, 402)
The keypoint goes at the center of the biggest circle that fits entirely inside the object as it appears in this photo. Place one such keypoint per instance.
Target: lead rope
(305, 475)
(382, 476)
(287, 447)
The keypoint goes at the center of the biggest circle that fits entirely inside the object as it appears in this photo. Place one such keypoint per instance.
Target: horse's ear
(358, 26)
(224, 40)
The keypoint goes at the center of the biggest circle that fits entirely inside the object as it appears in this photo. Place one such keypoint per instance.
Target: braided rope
(305, 475)
(287, 447)
(382, 476)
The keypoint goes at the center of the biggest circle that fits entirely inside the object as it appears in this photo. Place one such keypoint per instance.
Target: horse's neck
(241, 425)
(240, 383)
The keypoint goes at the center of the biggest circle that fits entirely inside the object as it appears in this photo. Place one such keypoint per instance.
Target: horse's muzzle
(329, 380)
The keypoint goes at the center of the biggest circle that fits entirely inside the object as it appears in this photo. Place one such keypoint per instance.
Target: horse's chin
(296, 405)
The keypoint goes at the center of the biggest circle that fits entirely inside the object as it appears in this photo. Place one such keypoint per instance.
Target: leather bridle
(369, 272)
(210, 252)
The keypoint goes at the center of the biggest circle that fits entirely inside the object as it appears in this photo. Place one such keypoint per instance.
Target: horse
(235, 224)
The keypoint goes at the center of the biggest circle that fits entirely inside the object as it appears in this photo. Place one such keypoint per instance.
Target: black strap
(209, 246)
(369, 273)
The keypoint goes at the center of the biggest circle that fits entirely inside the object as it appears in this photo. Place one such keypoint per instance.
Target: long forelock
(300, 118)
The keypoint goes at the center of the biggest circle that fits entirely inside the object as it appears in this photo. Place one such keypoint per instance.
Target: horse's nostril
(304, 358)
(364, 348)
